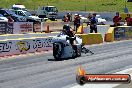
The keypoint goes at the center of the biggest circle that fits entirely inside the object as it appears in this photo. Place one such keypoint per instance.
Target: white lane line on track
(24, 55)
(127, 71)
(104, 43)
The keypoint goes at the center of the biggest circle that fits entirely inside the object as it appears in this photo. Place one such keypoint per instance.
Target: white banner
(22, 46)
(22, 27)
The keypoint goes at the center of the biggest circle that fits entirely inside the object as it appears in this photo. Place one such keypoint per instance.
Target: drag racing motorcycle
(62, 49)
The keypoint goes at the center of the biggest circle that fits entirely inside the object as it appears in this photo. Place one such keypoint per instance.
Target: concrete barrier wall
(28, 35)
(24, 45)
(109, 36)
(122, 32)
(91, 38)
(118, 33)
(103, 29)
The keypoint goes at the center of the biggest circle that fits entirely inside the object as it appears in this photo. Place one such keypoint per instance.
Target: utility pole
(85, 6)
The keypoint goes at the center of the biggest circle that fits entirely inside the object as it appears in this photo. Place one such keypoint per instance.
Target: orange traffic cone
(47, 30)
(82, 29)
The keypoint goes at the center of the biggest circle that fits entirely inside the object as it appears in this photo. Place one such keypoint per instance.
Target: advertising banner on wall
(3, 27)
(128, 32)
(22, 27)
(23, 46)
(121, 33)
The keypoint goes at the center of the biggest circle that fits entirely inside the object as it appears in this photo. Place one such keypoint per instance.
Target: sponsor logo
(26, 26)
(23, 46)
(83, 78)
(5, 47)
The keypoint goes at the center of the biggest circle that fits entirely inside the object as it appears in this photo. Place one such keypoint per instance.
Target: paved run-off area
(41, 71)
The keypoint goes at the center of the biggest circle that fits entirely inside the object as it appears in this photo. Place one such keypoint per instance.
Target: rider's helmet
(66, 27)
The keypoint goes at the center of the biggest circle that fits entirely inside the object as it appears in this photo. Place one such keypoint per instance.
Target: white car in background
(3, 19)
(83, 19)
(28, 16)
(100, 20)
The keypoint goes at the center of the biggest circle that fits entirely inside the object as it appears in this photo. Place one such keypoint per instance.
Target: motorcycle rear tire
(57, 52)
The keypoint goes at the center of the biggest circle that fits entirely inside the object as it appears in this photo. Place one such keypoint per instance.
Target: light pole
(85, 6)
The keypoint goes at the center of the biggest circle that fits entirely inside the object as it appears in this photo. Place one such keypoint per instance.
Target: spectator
(128, 20)
(76, 21)
(10, 20)
(128, 16)
(126, 10)
(65, 18)
(89, 18)
(69, 16)
(93, 24)
(117, 19)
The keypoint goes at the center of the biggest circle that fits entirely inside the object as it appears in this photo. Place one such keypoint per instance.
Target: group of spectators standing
(68, 18)
(93, 21)
(77, 23)
(117, 20)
